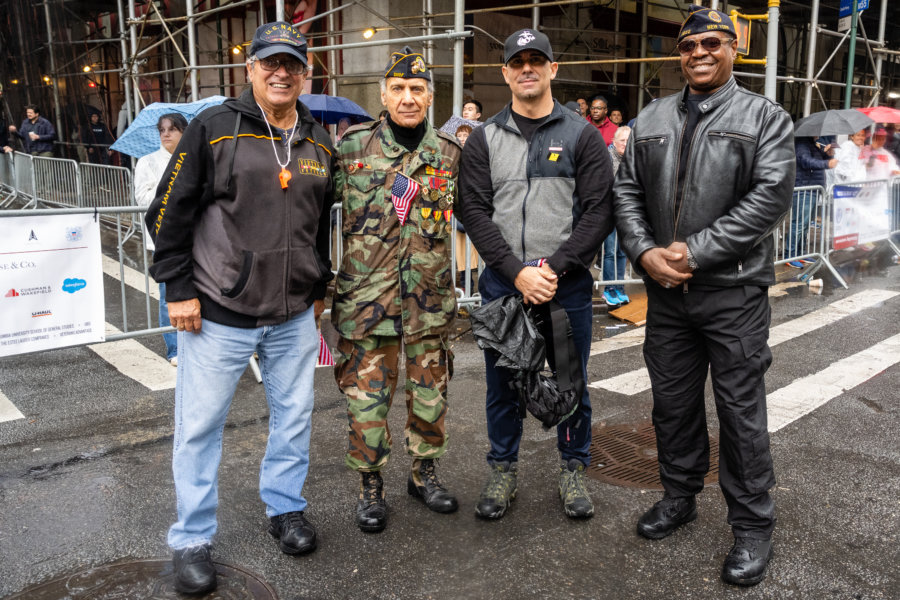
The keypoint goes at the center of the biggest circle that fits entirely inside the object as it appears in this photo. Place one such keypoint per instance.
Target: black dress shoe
(747, 561)
(666, 516)
(371, 509)
(194, 570)
(294, 533)
(423, 483)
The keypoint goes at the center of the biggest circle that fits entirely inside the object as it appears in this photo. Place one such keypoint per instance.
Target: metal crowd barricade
(7, 180)
(894, 208)
(463, 254)
(56, 181)
(24, 176)
(108, 186)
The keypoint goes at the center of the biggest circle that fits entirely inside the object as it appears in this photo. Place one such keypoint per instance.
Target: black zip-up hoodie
(227, 233)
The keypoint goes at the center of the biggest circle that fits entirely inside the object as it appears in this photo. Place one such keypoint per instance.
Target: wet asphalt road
(85, 480)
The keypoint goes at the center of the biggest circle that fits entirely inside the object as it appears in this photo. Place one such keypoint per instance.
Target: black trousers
(724, 331)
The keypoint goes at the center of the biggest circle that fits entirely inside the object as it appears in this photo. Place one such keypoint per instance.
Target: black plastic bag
(506, 328)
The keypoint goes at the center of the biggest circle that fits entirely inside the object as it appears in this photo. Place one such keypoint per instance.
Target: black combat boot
(294, 533)
(747, 561)
(423, 484)
(371, 510)
(666, 516)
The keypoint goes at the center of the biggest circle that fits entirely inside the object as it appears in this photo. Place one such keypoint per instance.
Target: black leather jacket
(737, 185)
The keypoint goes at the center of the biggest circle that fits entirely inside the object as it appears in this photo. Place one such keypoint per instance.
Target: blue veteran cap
(278, 38)
(701, 20)
(407, 64)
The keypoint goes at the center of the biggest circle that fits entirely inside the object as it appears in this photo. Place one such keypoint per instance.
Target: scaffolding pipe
(772, 50)
(429, 46)
(192, 50)
(279, 10)
(332, 54)
(811, 57)
(615, 77)
(59, 130)
(199, 16)
(642, 68)
(460, 32)
(878, 61)
(851, 56)
(123, 48)
(535, 14)
(135, 88)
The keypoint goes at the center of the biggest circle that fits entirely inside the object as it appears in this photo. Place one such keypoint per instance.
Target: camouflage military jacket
(395, 279)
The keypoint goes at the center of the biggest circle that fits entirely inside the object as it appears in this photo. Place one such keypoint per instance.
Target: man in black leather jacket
(706, 177)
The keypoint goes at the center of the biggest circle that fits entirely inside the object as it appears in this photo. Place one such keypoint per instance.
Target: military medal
(284, 175)
(426, 212)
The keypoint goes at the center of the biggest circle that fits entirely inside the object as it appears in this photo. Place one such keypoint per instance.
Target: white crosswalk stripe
(136, 361)
(637, 381)
(791, 402)
(8, 410)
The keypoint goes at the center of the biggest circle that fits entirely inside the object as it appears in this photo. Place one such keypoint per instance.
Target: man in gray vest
(535, 197)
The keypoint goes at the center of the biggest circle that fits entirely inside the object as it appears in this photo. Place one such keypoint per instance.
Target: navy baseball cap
(278, 38)
(701, 20)
(527, 39)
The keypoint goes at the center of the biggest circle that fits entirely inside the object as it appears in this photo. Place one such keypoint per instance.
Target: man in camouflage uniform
(394, 285)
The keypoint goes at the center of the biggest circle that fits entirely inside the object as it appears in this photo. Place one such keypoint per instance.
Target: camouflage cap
(407, 64)
(701, 20)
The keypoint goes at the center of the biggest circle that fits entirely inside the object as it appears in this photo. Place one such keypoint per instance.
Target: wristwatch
(691, 261)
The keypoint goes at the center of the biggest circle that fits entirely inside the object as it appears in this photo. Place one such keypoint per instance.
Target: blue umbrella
(142, 137)
(331, 109)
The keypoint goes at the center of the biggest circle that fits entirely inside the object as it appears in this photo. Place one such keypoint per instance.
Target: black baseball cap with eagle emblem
(527, 39)
(406, 64)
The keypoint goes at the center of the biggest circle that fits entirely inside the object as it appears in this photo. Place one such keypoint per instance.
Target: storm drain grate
(625, 455)
(147, 580)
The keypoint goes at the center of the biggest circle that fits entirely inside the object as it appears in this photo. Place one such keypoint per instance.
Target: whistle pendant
(284, 176)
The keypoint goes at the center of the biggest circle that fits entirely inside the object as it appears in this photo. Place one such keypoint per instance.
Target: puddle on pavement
(145, 579)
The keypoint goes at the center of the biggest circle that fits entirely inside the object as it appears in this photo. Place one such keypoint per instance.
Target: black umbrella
(832, 122)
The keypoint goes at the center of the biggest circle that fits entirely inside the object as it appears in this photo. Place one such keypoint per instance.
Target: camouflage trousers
(367, 371)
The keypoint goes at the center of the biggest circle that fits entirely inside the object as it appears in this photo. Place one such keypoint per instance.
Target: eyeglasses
(710, 44)
(535, 60)
(270, 63)
(598, 108)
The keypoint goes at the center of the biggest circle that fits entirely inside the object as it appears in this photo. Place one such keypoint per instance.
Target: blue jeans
(613, 261)
(803, 204)
(504, 421)
(209, 365)
(171, 338)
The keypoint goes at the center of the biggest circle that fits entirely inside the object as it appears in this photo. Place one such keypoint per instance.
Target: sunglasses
(535, 60)
(710, 44)
(270, 63)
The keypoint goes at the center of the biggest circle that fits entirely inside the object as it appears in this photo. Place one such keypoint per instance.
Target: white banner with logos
(860, 214)
(51, 283)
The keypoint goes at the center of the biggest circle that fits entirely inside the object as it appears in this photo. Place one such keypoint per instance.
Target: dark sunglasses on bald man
(271, 63)
(710, 44)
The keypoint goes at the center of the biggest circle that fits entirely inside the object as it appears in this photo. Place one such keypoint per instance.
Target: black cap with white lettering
(527, 39)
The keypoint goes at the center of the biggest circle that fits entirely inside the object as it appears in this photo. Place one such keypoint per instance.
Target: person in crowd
(148, 172)
(537, 229)
(880, 164)
(812, 161)
(394, 291)
(598, 119)
(472, 110)
(703, 241)
(850, 165)
(892, 143)
(97, 139)
(613, 256)
(574, 107)
(615, 115)
(462, 134)
(36, 133)
(584, 106)
(342, 126)
(240, 222)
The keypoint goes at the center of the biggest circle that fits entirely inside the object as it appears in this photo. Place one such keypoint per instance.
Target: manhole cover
(145, 579)
(625, 455)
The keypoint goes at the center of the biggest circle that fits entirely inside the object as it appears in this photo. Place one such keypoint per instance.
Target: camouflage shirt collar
(428, 150)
